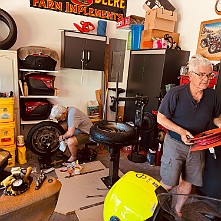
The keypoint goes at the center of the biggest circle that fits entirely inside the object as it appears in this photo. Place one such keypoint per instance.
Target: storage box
(93, 109)
(32, 109)
(160, 19)
(40, 84)
(11, 149)
(126, 22)
(37, 57)
(7, 133)
(149, 35)
(6, 109)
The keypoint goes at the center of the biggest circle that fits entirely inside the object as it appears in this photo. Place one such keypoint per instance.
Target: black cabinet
(149, 71)
(82, 51)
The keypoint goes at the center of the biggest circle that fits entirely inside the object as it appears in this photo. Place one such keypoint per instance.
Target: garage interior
(114, 60)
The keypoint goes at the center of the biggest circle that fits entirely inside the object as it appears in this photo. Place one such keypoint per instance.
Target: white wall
(41, 27)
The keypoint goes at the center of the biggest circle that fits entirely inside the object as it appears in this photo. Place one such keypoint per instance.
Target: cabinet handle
(88, 55)
(82, 55)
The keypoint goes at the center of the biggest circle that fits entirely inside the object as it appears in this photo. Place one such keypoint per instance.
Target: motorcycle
(215, 45)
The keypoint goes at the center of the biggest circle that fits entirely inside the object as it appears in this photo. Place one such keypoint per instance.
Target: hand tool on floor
(92, 205)
(99, 195)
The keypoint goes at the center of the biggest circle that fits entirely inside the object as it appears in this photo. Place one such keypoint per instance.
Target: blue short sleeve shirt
(179, 106)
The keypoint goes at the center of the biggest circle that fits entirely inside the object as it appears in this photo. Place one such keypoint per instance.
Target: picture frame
(209, 41)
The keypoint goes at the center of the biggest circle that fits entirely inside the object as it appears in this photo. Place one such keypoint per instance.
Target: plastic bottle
(25, 89)
(22, 155)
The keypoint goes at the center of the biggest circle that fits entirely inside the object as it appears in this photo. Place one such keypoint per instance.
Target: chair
(33, 204)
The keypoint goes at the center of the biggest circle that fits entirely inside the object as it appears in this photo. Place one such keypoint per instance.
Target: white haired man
(78, 127)
(185, 111)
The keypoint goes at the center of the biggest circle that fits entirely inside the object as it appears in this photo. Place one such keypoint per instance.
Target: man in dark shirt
(186, 111)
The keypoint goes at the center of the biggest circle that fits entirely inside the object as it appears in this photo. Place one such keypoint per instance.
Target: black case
(40, 84)
(38, 62)
(35, 109)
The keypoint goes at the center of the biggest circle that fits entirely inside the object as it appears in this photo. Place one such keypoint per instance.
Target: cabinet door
(72, 48)
(134, 83)
(95, 53)
(82, 51)
(153, 72)
(9, 80)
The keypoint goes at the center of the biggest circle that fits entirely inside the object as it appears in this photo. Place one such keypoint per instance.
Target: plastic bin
(6, 109)
(136, 36)
(93, 109)
(7, 133)
(11, 149)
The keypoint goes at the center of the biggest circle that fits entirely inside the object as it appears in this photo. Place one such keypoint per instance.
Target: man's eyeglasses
(202, 75)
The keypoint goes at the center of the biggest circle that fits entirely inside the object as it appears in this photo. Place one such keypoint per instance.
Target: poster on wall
(103, 9)
(209, 41)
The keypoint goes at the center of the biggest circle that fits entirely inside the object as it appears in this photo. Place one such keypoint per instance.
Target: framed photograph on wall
(209, 41)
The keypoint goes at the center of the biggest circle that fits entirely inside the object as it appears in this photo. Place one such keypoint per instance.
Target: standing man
(186, 111)
(78, 127)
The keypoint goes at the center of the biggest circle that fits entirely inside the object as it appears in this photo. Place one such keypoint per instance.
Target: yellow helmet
(133, 197)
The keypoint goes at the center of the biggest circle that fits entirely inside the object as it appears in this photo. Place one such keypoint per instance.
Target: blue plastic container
(136, 36)
(101, 28)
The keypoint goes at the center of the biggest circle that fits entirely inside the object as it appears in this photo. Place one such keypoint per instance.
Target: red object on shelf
(85, 26)
(126, 22)
(184, 79)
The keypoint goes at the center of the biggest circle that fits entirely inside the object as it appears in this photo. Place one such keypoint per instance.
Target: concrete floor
(104, 157)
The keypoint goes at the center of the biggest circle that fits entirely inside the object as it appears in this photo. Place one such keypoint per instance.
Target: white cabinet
(9, 81)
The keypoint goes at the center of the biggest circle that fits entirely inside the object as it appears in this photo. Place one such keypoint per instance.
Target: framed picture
(218, 7)
(209, 41)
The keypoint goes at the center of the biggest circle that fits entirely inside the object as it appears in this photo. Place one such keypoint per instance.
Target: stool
(114, 136)
(87, 154)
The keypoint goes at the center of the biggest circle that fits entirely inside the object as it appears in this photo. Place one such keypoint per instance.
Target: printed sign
(102, 9)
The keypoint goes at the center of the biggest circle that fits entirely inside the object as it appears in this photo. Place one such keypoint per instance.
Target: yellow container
(11, 149)
(6, 109)
(22, 155)
(7, 133)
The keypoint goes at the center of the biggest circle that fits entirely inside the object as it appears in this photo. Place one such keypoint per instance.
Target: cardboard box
(146, 42)
(148, 35)
(160, 19)
(126, 22)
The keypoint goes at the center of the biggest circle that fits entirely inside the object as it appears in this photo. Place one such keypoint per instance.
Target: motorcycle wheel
(111, 133)
(43, 134)
(212, 49)
(12, 37)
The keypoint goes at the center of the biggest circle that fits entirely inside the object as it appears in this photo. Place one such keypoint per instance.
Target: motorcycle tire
(149, 121)
(212, 49)
(111, 134)
(43, 134)
(204, 43)
(10, 40)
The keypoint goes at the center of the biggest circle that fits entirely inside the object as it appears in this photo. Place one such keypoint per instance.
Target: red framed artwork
(209, 41)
